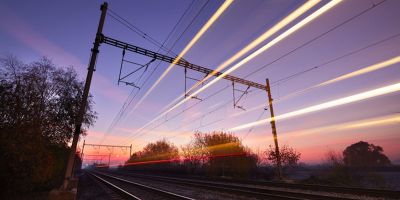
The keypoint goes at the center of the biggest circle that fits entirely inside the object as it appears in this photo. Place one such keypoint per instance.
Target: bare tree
(195, 154)
(289, 157)
(161, 155)
(220, 154)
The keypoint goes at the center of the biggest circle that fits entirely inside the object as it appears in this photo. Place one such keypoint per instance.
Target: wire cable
(318, 37)
(285, 79)
(298, 74)
(186, 29)
(251, 128)
(136, 30)
(132, 96)
(314, 39)
(181, 35)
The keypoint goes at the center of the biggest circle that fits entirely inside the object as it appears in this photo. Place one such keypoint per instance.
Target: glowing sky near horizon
(67, 39)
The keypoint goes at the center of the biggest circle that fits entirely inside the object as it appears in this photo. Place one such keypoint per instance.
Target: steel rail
(337, 189)
(237, 189)
(312, 187)
(146, 187)
(115, 188)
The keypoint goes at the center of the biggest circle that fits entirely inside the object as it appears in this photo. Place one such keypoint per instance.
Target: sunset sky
(332, 57)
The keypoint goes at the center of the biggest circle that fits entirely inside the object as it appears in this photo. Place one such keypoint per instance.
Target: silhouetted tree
(363, 154)
(159, 155)
(362, 160)
(353, 167)
(221, 154)
(195, 153)
(289, 157)
(37, 117)
(337, 172)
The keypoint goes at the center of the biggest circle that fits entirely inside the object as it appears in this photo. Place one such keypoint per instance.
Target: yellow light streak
(284, 22)
(206, 26)
(378, 122)
(372, 122)
(363, 71)
(298, 12)
(326, 105)
(366, 123)
(218, 147)
(288, 32)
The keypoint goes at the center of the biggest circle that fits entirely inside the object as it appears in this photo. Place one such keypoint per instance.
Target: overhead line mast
(69, 175)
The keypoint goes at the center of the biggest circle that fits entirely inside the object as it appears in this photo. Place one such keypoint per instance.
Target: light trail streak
(298, 12)
(174, 160)
(206, 26)
(366, 123)
(359, 72)
(293, 29)
(284, 22)
(226, 146)
(288, 32)
(323, 106)
(214, 148)
(363, 71)
(377, 122)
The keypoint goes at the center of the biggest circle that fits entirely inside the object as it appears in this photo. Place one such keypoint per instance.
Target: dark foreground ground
(88, 188)
(31, 196)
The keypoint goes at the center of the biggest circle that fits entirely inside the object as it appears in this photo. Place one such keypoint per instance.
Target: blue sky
(64, 31)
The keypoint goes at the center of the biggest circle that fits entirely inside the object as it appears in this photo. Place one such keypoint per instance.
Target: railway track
(242, 190)
(337, 189)
(311, 187)
(128, 189)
